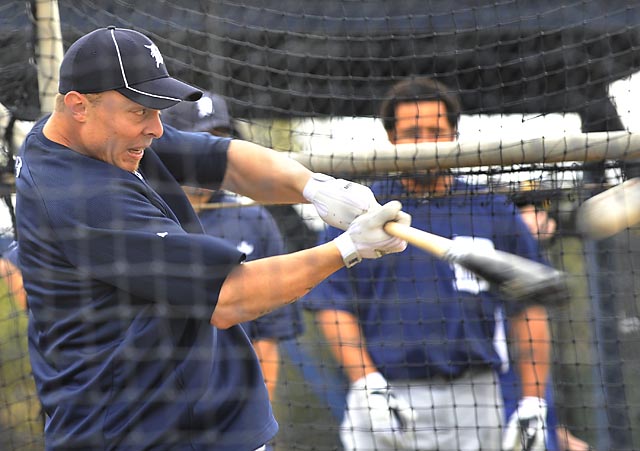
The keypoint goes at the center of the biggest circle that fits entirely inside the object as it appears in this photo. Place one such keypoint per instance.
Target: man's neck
(438, 185)
(55, 130)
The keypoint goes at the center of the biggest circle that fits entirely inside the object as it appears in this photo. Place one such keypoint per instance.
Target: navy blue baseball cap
(125, 61)
(208, 114)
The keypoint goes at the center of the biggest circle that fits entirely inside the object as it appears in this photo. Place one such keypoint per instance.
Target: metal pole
(49, 51)
(614, 431)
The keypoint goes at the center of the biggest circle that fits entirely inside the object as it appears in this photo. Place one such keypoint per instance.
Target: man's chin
(425, 180)
(129, 166)
(428, 180)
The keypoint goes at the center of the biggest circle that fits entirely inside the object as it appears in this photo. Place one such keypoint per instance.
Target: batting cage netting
(548, 114)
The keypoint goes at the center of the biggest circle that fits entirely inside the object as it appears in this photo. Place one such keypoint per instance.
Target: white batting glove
(527, 427)
(366, 238)
(338, 201)
(373, 406)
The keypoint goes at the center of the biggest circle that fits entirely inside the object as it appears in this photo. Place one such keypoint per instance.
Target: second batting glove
(372, 405)
(338, 201)
(366, 238)
(527, 428)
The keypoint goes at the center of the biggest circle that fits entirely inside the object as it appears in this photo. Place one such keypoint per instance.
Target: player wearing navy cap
(415, 334)
(209, 114)
(533, 205)
(251, 228)
(133, 310)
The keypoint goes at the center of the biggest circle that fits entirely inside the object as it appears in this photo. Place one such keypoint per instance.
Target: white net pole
(384, 159)
(49, 52)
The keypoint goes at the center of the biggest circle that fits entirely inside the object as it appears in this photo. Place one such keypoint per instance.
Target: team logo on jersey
(18, 166)
(155, 54)
(245, 248)
(465, 280)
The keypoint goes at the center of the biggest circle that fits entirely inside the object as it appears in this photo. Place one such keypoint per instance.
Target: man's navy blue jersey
(254, 232)
(120, 298)
(421, 316)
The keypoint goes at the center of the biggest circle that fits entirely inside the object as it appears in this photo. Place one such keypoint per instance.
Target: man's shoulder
(54, 165)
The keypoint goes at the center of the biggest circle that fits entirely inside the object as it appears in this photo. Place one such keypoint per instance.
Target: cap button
(111, 27)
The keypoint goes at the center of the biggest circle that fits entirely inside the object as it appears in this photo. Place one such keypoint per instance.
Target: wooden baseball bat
(515, 278)
(435, 245)
(610, 211)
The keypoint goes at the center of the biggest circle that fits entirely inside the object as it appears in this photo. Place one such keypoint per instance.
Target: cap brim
(161, 93)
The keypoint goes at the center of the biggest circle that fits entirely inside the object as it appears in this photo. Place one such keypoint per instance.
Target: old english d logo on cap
(155, 53)
(126, 61)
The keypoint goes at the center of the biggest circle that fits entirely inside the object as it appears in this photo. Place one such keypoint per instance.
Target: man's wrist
(313, 185)
(348, 250)
(533, 401)
(371, 381)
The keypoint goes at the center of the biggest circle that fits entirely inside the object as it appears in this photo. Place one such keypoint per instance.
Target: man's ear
(76, 103)
(391, 136)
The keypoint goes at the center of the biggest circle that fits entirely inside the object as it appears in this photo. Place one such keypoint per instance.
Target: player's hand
(338, 201)
(373, 405)
(527, 428)
(366, 238)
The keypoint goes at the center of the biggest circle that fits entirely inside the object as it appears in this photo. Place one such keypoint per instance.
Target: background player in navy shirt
(414, 334)
(251, 228)
(534, 209)
(11, 274)
(133, 310)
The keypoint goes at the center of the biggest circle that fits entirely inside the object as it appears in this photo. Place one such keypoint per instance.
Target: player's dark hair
(419, 90)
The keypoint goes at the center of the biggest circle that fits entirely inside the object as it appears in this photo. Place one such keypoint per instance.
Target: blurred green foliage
(20, 414)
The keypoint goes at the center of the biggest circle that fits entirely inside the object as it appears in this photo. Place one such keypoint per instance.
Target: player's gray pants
(460, 415)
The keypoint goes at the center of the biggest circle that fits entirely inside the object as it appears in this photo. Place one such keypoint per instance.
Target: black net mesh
(308, 78)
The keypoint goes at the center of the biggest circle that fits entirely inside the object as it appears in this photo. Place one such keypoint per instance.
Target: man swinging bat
(134, 312)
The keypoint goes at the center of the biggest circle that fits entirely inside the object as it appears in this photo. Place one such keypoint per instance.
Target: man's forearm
(533, 340)
(269, 356)
(258, 287)
(346, 341)
(264, 174)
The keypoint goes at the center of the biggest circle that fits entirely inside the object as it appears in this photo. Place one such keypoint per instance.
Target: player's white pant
(464, 414)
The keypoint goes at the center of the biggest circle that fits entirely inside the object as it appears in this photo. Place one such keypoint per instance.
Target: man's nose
(154, 125)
